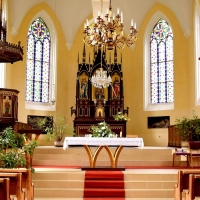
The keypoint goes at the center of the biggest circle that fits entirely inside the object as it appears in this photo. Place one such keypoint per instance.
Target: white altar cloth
(94, 141)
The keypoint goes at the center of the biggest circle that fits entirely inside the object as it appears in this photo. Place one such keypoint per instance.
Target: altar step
(147, 156)
(66, 180)
(149, 184)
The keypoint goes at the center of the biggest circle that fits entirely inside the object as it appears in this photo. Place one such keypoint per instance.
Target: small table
(181, 153)
(101, 143)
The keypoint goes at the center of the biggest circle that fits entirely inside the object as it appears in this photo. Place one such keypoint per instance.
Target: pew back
(26, 180)
(183, 182)
(194, 187)
(4, 189)
(15, 184)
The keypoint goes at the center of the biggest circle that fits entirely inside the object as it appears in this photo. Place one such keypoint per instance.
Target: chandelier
(9, 53)
(108, 31)
(101, 80)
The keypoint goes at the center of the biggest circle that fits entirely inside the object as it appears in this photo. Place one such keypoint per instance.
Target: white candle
(134, 25)
(131, 22)
(120, 133)
(122, 15)
(118, 11)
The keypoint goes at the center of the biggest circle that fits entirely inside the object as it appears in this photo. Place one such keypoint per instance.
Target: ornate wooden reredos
(98, 104)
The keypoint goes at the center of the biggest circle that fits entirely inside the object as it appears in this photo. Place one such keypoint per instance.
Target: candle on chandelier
(131, 22)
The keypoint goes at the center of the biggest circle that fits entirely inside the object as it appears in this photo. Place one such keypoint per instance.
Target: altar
(103, 142)
(98, 104)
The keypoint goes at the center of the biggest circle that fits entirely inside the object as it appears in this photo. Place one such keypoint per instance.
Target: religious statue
(83, 88)
(116, 88)
(7, 106)
(99, 94)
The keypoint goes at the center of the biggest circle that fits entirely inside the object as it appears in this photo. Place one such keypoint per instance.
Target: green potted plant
(14, 148)
(60, 128)
(188, 129)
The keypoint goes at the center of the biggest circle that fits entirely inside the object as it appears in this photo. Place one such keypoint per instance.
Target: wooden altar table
(101, 143)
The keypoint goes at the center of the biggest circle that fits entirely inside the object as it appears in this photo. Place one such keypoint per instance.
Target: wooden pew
(194, 187)
(4, 189)
(194, 150)
(15, 186)
(26, 180)
(183, 182)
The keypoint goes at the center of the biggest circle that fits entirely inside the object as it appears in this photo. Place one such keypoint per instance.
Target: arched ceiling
(72, 13)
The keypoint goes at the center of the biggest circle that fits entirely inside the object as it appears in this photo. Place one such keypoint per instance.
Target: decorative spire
(84, 54)
(115, 55)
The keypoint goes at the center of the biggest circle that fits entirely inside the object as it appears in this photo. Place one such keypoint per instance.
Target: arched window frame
(197, 51)
(3, 65)
(147, 106)
(50, 106)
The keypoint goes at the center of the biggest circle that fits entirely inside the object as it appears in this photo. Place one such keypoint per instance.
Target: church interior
(68, 30)
(153, 74)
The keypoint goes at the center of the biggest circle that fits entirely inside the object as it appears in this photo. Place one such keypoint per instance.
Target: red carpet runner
(105, 185)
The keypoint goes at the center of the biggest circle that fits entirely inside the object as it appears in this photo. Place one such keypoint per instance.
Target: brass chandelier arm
(108, 31)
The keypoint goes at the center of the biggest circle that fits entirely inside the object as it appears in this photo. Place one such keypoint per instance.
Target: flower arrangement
(120, 117)
(101, 130)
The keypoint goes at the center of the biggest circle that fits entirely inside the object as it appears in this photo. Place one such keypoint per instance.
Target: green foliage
(59, 129)
(10, 139)
(120, 117)
(13, 147)
(188, 127)
(12, 159)
(101, 130)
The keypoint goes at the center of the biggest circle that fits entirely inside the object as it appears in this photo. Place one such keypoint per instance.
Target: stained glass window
(161, 63)
(38, 62)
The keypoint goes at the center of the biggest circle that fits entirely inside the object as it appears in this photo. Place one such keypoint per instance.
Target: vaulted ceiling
(73, 13)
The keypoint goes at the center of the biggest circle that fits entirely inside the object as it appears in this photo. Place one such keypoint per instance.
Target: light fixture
(9, 53)
(101, 80)
(108, 31)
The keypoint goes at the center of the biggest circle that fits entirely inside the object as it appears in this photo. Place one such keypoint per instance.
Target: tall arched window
(158, 64)
(41, 63)
(196, 51)
(161, 64)
(38, 62)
